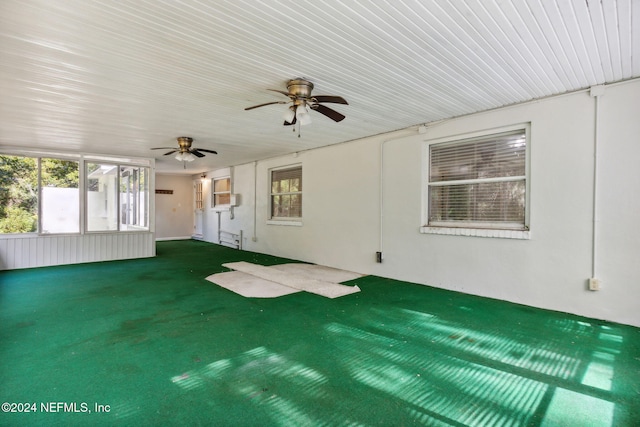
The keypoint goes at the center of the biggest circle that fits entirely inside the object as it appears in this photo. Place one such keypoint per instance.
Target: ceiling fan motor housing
(300, 88)
(185, 143)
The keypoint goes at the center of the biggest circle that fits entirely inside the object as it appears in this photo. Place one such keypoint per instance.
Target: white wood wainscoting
(39, 251)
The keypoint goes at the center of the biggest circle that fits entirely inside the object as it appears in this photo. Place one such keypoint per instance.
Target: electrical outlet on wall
(594, 284)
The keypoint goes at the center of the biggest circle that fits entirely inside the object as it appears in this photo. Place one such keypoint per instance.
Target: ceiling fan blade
(330, 98)
(293, 122)
(280, 91)
(332, 114)
(196, 152)
(207, 151)
(267, 103)
(163, 148)
(170, 152)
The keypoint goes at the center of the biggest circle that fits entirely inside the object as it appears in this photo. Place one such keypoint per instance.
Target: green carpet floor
(154, 343)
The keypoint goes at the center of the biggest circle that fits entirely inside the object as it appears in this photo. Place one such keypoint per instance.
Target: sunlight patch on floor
(435, 386)
(571, 409)
(599, 373)
(258, 376)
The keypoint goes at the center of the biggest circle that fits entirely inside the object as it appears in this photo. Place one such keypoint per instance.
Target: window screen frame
(215, 193)
(285, 220)
(115, 211)
(77, 207)
(477, 228)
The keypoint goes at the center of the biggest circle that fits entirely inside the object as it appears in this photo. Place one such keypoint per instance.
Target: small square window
(221, 194)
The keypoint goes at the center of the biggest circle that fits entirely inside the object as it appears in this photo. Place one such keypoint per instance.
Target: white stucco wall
(618, 211)
(343, 224)
(174, 212)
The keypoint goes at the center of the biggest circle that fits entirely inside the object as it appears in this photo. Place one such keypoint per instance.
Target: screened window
(60, 195)
(18, 194)
(117, 197)
(134, 198)
(479, 183)
(43, 194)
(221, 192)
(286, 193)
(102, 197)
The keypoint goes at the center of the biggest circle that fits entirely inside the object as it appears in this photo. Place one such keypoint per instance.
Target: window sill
(31, 235)
(221, 208)
(284, 222)
(478, 232)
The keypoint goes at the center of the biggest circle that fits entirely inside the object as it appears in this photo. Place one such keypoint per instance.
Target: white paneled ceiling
(122, 76)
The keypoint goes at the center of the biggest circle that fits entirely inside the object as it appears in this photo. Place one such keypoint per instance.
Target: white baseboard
(159, 239)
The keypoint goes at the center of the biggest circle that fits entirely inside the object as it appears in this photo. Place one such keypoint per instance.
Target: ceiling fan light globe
(304, 118)
(179, 157)
(289, 114)
(188, 157)
(302, 114)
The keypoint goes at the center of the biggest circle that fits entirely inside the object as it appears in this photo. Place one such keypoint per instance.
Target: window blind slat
(499, 156)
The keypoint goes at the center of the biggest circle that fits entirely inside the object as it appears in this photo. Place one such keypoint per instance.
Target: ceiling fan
(302, 102)
(184, 150)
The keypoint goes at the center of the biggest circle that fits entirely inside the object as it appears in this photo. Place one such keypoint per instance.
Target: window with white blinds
(479, 183)
(286, 193)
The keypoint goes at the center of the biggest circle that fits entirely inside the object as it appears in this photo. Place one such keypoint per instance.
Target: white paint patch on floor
(257, 281)
(251, 286)
(318, 272)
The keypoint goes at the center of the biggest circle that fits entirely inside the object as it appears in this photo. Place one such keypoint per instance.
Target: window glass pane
(480, 202)
(221, 185)
(134, 196)
(285, 202)
(18, 194)
(59, 180)
(222, 199)
(275, 206)
(295, 206)
(102, 197)
(284, 186)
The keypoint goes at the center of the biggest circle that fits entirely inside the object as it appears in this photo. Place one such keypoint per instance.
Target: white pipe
(254, 238)
(231, 180)
(219, 230)
(596, 92)
(381, 243)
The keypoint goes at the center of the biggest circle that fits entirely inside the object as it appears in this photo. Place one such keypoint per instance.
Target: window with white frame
(286, 193)
(117, 197)
(19, 194)
(479, 183)
(59, 196)
(221, 194)
(42, 194)
(134, 198)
